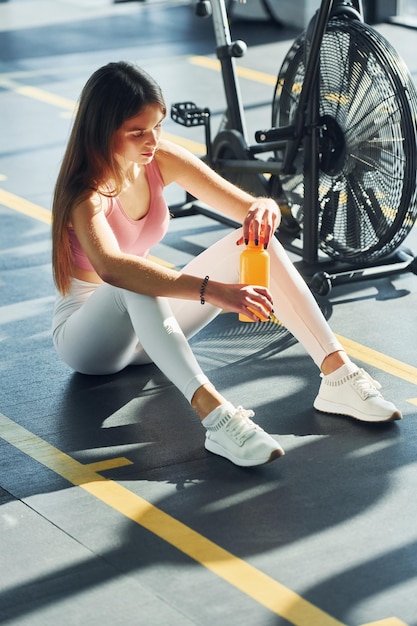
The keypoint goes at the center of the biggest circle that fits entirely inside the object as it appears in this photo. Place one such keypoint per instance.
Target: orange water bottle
(254, 269)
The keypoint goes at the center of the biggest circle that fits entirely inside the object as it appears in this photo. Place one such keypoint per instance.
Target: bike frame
(227, 51)
(288, 138)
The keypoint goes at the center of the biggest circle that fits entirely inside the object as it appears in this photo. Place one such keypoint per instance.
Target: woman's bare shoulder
(173, 160)
(89, 206)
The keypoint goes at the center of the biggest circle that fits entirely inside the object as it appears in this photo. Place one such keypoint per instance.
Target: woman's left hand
(261, 222)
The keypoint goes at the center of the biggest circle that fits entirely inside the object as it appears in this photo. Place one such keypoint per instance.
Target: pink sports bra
(134, 236)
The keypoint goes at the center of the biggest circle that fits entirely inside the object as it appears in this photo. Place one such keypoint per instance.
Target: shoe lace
(240, 427)
(366, 386)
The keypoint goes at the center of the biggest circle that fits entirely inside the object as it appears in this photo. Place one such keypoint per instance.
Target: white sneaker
(356, 395)
(241, 441)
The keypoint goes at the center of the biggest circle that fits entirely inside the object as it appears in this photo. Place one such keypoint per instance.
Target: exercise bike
(340, 155)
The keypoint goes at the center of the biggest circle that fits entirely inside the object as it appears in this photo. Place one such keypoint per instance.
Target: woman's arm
(143, 276)
(255, 213)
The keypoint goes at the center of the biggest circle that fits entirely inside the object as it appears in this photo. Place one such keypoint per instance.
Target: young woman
(115, 307)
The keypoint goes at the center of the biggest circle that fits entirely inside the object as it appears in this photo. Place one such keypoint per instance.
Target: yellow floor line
(241, 575)
(21, 205)
(379, 360)
(238, 573)
(49, 98)
(37, 94)
(102, 466)
(242, 72)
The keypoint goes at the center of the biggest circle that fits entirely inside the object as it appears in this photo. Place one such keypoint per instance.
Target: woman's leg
(345, 389)
(297, 309)
(294, 304)
(220, 262)
(102, 337)
(114, 328)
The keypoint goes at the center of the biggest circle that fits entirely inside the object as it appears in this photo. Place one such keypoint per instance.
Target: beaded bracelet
(203, 289)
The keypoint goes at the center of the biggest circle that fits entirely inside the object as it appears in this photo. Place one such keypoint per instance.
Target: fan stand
(324, 274)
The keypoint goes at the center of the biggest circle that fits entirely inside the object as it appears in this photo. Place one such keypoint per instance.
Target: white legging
(101, 329)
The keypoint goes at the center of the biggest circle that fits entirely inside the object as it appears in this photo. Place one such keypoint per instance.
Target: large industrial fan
(367, 142)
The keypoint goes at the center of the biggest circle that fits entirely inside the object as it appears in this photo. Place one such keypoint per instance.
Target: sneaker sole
(216, 449)
(326, 407)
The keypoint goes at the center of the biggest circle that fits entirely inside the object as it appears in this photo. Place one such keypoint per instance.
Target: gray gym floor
(112, 512)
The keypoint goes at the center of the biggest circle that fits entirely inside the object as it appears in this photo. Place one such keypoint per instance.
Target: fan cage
(367, 109)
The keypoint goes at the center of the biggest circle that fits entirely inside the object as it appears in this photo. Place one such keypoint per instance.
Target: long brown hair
(112, 95)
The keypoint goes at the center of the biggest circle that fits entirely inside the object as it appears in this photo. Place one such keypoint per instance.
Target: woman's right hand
(253, 301)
